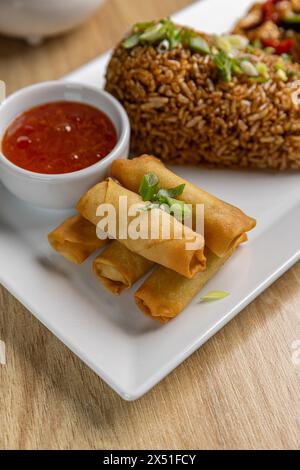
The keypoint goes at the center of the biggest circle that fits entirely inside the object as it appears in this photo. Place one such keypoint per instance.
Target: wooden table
(240, 390)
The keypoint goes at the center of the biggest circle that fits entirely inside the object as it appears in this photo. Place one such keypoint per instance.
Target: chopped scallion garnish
(215, 295)
(248, 68)
(199, 45)
(227, 52)
(131, 41)
(292, 19)
(143, 26)
(262, 69)
(149, 186)
(163, 199)
(224, 66)
(172, 192)
(163, 46)
(155, 33)
(281, 74)
(179, 209)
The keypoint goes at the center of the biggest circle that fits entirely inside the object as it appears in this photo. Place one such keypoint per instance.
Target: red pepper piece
(270, 12)
(281, 47)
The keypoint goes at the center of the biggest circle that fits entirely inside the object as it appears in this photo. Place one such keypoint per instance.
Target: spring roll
(118, 268)
(75, 239)
(223, 223)
(165, 294)
(170, 252)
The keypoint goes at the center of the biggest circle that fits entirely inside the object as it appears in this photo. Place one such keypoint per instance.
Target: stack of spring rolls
(177, 274)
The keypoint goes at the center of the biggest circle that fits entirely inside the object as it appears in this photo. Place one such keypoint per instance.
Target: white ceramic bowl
(60, 191)
(39, 18)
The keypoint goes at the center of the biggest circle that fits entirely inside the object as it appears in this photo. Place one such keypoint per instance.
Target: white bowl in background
(34, 19)
(60, 191)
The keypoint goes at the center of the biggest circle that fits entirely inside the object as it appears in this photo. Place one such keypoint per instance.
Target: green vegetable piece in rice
(249, 69)
(293, 19)
(231, 43)
(224, 65)
(143, 26)
(269, 50)
(262, 69)
(163, 46)
(286, 57)
(131, 41)
(281, 74)
(199, 45)
(153, 34)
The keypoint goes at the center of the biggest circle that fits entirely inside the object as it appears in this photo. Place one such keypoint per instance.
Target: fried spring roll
(223, 223)
(118, 268)
(171, 253)
(165, 293)
(75, 239)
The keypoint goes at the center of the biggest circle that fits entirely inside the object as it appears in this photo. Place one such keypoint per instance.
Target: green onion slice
(224, 66)
(143, 26)
(292, 19)
(215, 295)
(199, 45)
(154, 33)
(179, 209)
(131, 41)
(149, 186)
(172, 192)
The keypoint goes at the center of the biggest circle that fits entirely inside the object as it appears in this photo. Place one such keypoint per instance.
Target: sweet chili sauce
(59, 137)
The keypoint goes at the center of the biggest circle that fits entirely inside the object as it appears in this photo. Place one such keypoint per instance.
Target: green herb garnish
(226, 52)
(131, 41)
(163, 199)
(199, 45)
(257, 44)
(262, 69)
(292, 19)
(224, 65)
(278, 66)
(179, 209)
(143, 26)
(248, 68)
(287, 57)
(149, 186)
(269, 50)
(153, 34)
(165, 30)
(280, 71)
(292, 74)
(281, 74)
(215, 295)
(259, 79)
(172, 192)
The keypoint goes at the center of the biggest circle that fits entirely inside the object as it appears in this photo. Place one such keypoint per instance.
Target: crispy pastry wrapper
(223, 223)
(170, 253)
(75, 239)
(165, 294)
(118, 268)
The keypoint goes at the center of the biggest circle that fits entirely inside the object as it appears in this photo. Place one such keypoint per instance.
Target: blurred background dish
(36, 19)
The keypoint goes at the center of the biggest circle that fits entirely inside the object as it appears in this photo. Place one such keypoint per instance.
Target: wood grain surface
(240, 390)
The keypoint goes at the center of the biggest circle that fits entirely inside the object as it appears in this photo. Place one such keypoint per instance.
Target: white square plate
(129, 351)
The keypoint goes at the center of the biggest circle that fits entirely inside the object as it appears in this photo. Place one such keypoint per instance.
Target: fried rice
(181, 111)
